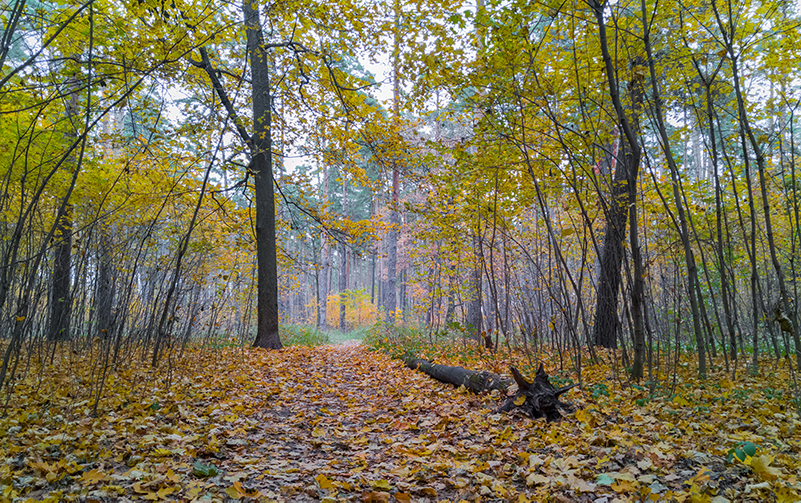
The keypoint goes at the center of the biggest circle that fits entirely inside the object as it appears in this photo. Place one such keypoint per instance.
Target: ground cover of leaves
(342, 423)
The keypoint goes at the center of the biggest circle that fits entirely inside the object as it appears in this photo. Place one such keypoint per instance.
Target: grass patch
(300, 335)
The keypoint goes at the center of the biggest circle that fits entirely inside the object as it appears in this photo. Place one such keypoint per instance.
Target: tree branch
(205, 64)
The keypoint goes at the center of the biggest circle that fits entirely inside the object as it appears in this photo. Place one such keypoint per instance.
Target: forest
(400, 250)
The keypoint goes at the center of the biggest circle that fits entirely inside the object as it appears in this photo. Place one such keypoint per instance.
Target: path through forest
(345, 422)
(352, 422)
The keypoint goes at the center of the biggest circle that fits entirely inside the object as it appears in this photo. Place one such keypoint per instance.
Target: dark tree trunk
(692, 269)
(322, 293)
(402, 295)
(625, 183)
(261, 166)
(372, 275)
(606, 319)
(474, 381)
(474, 318)
(343, 285)
(343, 259)
(105, 288)
(60, 302)
(390, 303)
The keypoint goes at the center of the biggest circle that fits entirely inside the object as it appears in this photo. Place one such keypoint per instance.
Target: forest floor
(344, 423)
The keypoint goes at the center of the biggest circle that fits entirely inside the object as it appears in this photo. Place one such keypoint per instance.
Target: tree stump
(538, 398)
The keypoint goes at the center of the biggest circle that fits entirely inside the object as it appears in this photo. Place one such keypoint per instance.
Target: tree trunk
(607, 322)
(343, 284)
(474, 381)
(742, 116)
(105, 287)
(390, 303)
(538, 398)
(692, 270)
(474, 318)
(343, 259)
(606, 318)
(261, 165)
(60, 300)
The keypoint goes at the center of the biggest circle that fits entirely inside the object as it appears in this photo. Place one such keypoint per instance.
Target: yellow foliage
(359, 311)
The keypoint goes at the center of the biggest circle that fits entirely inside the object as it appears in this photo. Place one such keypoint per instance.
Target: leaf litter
(343, 423)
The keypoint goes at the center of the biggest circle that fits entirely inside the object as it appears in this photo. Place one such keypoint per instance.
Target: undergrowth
(302, 335)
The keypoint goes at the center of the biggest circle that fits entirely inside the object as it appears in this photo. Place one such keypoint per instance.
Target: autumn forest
(400, 250)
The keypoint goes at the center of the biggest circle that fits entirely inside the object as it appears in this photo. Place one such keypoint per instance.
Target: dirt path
(351, 342)
(347, 423)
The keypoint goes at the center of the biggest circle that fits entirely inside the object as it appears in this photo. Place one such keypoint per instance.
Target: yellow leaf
(520, 400)
(233, 493)
(761, 466)
(93, 477)
(623, 486)
(786, 495)
(165, 491)
(678, 400)
(537, 479)
(382, 484)
(324, 482)
(172, 477)
(583, 416)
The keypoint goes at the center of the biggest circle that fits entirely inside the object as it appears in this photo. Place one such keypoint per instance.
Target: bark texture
(474, 381)
(60, 301)
(606, 319)
(106, 288)
(539, 397)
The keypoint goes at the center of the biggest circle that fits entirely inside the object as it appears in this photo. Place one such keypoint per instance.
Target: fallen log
(474, 381)
(538, 398)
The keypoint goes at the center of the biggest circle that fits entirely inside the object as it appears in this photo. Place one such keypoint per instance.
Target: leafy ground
(341, 422)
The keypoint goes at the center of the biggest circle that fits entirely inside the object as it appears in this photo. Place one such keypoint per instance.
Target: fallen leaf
(761, 466)
(323, 482)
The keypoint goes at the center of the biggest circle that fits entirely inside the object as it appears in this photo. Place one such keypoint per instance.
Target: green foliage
(203, 470)
(299, 335)
(556, 380)
(598, 389)
(741, 452)
(396, 341)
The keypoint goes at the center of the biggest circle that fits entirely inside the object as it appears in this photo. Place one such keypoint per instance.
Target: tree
(261, 166)
(606, 322)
